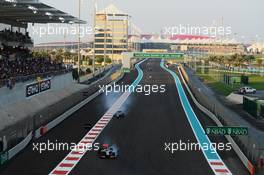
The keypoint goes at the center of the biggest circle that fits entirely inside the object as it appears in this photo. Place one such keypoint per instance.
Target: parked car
(247, 90)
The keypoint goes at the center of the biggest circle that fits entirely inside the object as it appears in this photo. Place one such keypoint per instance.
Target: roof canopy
(186, 39)
(20, 12)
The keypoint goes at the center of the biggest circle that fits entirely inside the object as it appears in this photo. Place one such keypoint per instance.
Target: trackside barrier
(236, 148)
(57, 120)
(97, 72)
(12, 152)
(69, 112)
(5, 156)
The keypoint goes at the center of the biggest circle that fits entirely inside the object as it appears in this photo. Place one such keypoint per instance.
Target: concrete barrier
(236, 148)
(18, 93)
(12, 152)
(97, 72)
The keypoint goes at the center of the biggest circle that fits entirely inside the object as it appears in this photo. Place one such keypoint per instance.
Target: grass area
(217, 86)
(214, 78)
(221, 88)
(212, 81)
(256, 82)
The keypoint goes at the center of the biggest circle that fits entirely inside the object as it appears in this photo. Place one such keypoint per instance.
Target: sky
(245, 18)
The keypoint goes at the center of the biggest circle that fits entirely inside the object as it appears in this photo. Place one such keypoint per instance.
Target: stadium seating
(18, 64)
(8, 35)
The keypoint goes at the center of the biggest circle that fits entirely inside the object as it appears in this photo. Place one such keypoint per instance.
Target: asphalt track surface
(140, 137)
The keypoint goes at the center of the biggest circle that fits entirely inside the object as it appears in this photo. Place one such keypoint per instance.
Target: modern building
(111, 35)
(191, 44)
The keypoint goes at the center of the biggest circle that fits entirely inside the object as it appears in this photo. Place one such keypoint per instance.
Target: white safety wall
(18, 93)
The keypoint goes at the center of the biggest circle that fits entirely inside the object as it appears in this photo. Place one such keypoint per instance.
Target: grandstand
(16, 60)
(190, 44)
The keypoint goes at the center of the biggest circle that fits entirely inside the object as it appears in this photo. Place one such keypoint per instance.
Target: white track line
(73, 158)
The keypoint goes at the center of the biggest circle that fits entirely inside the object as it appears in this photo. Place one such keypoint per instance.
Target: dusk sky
(244, 17)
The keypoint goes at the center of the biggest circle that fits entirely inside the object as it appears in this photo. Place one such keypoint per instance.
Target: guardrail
(236, 148)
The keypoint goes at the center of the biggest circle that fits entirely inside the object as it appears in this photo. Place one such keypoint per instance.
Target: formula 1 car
(119, 115)
(107, 152)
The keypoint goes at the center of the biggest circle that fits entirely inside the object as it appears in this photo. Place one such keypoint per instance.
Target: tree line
(236, 60)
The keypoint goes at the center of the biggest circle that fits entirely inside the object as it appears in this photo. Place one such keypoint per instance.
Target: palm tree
(250, 58)
(259, 62)
(213, 58)
(59, 56)
(236, 59)
(240, 60)
(220, 60)
(230, 61)
(67, 56)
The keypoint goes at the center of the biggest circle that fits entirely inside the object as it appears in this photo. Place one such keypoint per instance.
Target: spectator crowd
(8, 35)
(19, 62)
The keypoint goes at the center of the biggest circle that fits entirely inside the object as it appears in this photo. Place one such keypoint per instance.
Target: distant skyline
(244, 17)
